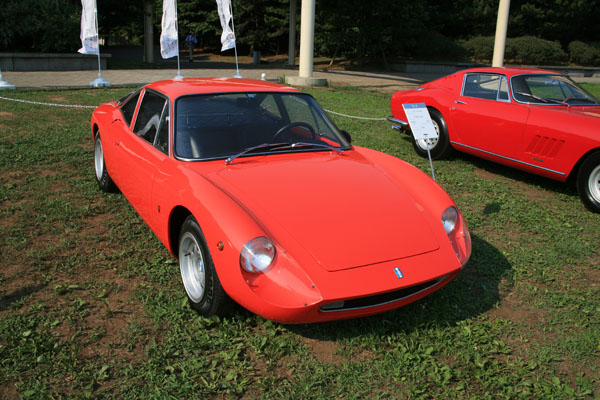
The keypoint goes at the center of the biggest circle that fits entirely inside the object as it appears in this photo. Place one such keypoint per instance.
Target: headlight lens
(458, 234)
(449, 219)
(257, 255)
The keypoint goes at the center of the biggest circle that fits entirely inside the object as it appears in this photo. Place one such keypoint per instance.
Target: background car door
(485, 119)
(138, 153)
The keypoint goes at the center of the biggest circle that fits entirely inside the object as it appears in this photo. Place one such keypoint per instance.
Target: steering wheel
(293, 124)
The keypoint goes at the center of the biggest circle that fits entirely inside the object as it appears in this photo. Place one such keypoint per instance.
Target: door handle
(459, 102)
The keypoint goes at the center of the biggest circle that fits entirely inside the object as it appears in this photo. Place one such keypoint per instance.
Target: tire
(440, 147)
(102, 177)
(205, 293)
(588, 182)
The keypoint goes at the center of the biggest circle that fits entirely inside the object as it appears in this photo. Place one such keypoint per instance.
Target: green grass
(91, 305)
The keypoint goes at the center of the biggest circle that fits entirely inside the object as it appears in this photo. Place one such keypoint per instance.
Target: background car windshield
(543, 89)
(218, 126)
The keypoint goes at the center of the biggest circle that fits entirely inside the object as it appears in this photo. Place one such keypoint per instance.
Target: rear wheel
(440, 147)
(198, 274)
(588, 182)
(102, 177)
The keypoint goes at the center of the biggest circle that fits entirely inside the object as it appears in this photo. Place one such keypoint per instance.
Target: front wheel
(438, 148)
(102, 177)
(200, 280)
(588, 182)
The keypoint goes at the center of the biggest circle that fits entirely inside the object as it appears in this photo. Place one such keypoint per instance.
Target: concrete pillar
(292, 34)
(501, 28)
(307, 45)
(148, 33)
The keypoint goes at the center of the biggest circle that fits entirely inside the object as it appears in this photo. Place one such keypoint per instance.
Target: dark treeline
(375, 30)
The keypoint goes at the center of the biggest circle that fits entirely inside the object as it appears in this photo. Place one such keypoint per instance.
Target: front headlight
(257, 255)
(458, 234)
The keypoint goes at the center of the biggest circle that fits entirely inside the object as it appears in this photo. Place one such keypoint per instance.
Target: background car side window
(486, 86)
(128, 108)
(148, 117)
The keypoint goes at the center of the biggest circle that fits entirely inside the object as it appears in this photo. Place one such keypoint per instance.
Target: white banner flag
(169, 42)
(227, 37)
(89, 31)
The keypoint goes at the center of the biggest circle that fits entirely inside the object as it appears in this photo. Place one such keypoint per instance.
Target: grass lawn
(91, 304)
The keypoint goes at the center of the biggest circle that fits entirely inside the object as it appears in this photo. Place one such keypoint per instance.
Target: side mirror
(346, 136)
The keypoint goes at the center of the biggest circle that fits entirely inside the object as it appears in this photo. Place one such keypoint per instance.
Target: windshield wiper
(545, 100)
(277, 146)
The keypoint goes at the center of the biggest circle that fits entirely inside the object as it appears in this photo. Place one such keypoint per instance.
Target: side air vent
(544, 146)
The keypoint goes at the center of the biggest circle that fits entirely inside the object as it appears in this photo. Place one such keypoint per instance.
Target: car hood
(341, 208)
(587, 111)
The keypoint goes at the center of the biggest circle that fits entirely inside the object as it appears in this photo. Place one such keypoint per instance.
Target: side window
(128, 108)
(503, 92)
(148, 117)
(486, 86)
(162, 139)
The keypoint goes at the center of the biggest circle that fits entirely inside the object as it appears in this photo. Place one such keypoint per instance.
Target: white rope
(80, 106)
(45, 104)
(352, 116)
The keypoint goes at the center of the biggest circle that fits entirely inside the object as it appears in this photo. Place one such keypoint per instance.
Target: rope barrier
(92, 107)
(45, 104)
(352, 116)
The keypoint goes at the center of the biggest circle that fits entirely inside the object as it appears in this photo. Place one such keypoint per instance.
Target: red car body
(531, 119)
(354, 232)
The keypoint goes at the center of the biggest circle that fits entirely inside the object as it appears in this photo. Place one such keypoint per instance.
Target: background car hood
(342, 209)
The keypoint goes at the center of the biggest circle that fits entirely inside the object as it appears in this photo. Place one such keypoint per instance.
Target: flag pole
(98, 82)
(178, 76)
(237, 68)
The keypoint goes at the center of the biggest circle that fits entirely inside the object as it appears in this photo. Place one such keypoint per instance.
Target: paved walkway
(383, 81)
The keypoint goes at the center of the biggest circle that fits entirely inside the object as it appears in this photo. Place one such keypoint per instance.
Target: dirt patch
(6, 115)
(323, 350)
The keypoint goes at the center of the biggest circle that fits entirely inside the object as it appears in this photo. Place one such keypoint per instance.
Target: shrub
(532, 50)
(524, 49)
(583, 54)
(479, 48)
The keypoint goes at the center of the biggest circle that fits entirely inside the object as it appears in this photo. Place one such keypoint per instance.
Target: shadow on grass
(475, 291)
(7, 300)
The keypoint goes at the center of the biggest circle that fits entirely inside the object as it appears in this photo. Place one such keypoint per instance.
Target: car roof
(511, 71)
(180, 87)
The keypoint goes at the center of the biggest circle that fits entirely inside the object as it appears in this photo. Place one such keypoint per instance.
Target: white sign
(419, 121)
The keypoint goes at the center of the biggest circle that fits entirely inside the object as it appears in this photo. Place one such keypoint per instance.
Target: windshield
(550, 89)
(222, 125)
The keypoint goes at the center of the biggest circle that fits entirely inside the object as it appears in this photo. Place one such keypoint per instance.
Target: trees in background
(377, 30)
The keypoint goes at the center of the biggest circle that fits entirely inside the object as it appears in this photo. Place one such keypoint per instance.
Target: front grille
(380, 299)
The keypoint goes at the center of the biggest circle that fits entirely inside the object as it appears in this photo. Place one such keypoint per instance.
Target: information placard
(419, 121)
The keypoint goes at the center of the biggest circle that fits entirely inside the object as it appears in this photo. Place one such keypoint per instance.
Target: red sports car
(535, 120)
(266, 203)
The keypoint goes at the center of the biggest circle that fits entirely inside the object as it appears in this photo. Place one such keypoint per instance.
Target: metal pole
(501, 29)
(178, 76)
(98, 82)
(237, 68)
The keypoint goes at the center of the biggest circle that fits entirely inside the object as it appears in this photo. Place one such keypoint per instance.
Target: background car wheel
(588, 182)
(440, 147)
(202, 285)
(102, 177)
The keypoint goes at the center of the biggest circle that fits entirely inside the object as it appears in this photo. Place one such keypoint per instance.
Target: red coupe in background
(535, 120)
(266, 203)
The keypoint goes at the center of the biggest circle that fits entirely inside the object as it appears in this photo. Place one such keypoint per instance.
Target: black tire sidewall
(212, 298)
(105, 182)
(583, 176)
(442, 147)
